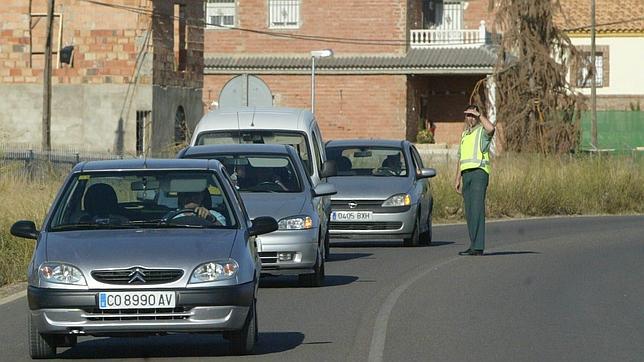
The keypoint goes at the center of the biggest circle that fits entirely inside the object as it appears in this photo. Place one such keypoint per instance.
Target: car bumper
(214, 309)
(383, 225)
(301, 244)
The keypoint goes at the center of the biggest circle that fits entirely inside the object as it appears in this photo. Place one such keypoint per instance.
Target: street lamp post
(316, 54)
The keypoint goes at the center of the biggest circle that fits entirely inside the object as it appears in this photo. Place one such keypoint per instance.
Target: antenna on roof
(252, 120)
(238, 128)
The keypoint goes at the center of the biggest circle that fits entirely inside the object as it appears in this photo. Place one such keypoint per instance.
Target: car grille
(361, 205)
(151, 314)
(131, 277)
(268, 257)
(384, 225)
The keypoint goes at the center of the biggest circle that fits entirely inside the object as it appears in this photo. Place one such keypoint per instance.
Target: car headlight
(61, 273)
(295, 223)
(214, 270)
(397, 200)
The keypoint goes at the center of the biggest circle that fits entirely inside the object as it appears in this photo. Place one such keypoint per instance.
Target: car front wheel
(415, 235)
(40, 345)
(243, 341)
(315, 279)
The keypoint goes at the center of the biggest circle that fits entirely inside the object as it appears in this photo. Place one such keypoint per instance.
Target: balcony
(460, 38)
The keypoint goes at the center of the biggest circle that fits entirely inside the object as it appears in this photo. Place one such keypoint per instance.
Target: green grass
(520, 186)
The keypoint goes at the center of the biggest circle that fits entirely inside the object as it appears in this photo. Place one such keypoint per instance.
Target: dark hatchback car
(272, 180)
(144, 247)
(383, 191)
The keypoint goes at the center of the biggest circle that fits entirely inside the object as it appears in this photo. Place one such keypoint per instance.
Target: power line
(200, 23)
(605, 24)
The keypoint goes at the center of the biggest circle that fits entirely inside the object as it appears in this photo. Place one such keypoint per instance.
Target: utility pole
(593, 81)
(46, 104)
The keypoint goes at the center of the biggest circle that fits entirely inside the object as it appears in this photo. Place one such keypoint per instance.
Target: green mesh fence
(618, 130)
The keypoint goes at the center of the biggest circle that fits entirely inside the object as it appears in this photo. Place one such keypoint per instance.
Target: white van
(271, 125)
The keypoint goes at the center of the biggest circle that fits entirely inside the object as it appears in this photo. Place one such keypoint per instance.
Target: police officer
(472, 174)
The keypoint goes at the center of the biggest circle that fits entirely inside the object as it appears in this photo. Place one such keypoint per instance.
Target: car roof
(146, 164)
(366, 142)
(272, 118)
(234, 148)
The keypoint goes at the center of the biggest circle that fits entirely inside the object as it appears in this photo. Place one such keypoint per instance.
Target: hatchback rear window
(296, 139)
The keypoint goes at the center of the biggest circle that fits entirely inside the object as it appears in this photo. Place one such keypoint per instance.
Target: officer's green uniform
(474, 156)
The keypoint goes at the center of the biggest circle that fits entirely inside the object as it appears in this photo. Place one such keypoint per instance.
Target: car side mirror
(324, 189)
(262, 225)
(24, 229)
(426, 173)
(329, 169)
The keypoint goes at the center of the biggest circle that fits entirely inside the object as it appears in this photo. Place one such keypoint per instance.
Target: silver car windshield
(143, 199)
(292, 138)
(368, 161)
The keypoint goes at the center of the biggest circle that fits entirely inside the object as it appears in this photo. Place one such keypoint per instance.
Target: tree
(539, 109)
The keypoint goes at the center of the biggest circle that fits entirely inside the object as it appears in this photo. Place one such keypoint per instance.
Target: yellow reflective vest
(471, 154)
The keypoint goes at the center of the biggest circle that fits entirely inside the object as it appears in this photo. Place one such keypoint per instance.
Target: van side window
(316, 146)
(417, 159)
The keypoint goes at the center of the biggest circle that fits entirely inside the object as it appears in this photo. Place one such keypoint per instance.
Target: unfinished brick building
(127, 74)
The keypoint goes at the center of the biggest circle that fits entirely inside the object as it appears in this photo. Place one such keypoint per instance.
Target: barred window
(583, 77)
(284, 13)
(220, 13)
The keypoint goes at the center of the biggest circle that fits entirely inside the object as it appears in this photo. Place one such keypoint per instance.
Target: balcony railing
(427, 38)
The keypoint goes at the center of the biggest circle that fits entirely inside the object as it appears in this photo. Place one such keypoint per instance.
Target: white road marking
(377, 349)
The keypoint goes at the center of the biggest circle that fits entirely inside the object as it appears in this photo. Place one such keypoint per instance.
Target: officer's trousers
(475, 183)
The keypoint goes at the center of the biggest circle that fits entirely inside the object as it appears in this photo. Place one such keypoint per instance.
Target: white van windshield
(296, 139)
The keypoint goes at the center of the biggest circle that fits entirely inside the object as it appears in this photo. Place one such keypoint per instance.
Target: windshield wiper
(93, 226)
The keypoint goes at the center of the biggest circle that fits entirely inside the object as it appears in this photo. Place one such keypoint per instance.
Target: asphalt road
(564, 289)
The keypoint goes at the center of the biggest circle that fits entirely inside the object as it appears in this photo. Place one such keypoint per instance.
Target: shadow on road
(380, 244)
(510, 253)
(178, 345)
(291, 281)
(334, 256)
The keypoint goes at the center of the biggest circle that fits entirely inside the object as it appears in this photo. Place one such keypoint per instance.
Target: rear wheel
(40, 345)
(243, 341)
(315, 279)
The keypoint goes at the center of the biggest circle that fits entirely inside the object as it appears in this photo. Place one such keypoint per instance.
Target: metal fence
(34, 162)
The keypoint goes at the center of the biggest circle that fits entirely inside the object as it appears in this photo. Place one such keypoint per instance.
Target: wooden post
(46, 109)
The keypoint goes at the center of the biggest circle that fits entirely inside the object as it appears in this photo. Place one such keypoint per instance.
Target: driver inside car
(196, 203)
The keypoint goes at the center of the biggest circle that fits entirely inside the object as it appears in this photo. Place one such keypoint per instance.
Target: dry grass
(536, 185)
(23, 199)
(520, 185)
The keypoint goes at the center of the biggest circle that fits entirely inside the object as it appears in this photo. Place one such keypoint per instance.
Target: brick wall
(373, 19)
(106, 42)
(178, 43)
(347, 106)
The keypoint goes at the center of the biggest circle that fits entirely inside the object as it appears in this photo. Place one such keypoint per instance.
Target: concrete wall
(166, 102)
(84, 116)
(623, 70)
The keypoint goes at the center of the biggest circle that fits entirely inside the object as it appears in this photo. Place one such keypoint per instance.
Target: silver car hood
(276, 205)
(368, 187)
(153, 248)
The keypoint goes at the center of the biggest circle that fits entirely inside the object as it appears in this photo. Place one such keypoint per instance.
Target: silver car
(273, 181)
(383, 191)
(144, 247)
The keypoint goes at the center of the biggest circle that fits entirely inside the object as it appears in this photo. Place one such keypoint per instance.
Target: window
(142, 121)
(284, 13)
(180, 42)
(584, 79)
(220, 14)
